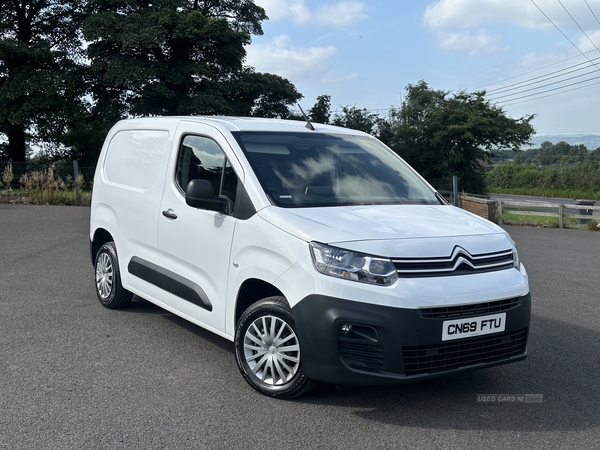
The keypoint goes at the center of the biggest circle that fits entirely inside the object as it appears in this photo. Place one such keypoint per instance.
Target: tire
(267, 350)
(109, 289)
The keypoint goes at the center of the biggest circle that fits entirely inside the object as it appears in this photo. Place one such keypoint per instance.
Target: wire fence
(445, 187)
(62, 169)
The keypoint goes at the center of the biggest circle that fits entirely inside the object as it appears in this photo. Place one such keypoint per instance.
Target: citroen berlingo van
(316, 250)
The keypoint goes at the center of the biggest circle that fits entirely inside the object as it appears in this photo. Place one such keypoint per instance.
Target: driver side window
(201, 158)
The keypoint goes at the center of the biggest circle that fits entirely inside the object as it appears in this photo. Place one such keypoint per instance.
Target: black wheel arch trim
(169, 281)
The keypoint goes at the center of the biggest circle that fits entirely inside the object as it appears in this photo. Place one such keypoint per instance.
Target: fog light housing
(346, 328)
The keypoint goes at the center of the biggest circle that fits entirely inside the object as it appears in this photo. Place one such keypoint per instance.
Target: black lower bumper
(347, 342)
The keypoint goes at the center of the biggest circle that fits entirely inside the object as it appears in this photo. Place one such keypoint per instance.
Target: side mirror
(200, 194)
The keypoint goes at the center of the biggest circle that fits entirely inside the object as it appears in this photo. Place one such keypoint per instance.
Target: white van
(319, 252)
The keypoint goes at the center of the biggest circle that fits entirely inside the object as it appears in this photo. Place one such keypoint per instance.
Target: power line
(499, 95)
(556, 89)
(534, 70)
(566, 37)
(593, 14)
(515, 102)
(585, 34)
(561, 73)
(541, 78)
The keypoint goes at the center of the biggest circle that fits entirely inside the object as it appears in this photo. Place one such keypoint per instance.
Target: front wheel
(267, 349)
(109, 289)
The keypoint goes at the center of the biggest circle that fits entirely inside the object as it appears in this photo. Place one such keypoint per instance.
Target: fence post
(76, 181)
(499, 212)
(455, 189)
(561, 216)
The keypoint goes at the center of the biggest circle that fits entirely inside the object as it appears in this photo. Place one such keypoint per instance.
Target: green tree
(321, 111)
(561, 153)
(179, 57)
(528, 156)
(40, 79)
(593, 157)
(357, 119)
(442, 134)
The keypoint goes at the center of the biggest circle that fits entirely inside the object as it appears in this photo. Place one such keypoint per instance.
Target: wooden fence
(560, 210)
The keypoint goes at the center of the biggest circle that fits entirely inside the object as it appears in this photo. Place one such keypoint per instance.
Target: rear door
(195, 244)
(129, 195)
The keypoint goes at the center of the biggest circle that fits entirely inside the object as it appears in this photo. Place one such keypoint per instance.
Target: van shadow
(563, 365)
(140, 306)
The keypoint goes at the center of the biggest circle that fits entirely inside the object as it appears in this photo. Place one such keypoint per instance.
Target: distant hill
(591, 141)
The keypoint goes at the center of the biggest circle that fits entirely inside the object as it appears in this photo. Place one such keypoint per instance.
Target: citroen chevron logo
(461, 256)
(459, 250)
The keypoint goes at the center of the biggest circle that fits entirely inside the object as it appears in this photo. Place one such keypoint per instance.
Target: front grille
(428, 359)
(457, 312)
(460, 262)
(362, 357)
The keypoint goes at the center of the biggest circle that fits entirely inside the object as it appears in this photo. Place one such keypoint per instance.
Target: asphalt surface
(75, 375)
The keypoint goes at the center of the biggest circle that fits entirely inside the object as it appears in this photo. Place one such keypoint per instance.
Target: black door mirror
(200, 194)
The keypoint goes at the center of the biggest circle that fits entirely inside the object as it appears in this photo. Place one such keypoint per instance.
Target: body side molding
(169, 281)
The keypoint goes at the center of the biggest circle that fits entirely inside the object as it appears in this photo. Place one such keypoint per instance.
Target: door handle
(169, 213)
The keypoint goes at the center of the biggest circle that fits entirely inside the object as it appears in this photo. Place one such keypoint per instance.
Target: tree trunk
(16, 149)
(16, 143)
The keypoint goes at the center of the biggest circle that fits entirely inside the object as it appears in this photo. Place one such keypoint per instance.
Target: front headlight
(340, 263)
(515, 257)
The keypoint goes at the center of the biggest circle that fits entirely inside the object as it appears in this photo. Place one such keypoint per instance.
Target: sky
(532, 56)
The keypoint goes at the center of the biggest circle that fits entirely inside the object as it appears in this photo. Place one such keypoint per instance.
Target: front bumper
(392, 345)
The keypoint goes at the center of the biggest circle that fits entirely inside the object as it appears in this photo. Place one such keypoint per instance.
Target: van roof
(239, 124)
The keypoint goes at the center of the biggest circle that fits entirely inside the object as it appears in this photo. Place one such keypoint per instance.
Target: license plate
(477, 326)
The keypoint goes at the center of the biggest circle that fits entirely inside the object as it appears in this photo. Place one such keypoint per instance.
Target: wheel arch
(101, 237)
(251, 291)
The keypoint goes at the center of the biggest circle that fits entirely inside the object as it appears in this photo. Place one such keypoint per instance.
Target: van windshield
(310, 169)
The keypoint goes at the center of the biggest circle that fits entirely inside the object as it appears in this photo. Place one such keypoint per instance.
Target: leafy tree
(594, 157)
(321, 111)
(179, 57)
(528, 156)
(506, 155)
(442, 134)
(560, 153)
(260, 94)
(349, 117)
(40, 79)
(357, 119)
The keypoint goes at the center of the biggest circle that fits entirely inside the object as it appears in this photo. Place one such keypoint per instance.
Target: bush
(528, 177)
(577, 177)
(44, 185)
(7, 178)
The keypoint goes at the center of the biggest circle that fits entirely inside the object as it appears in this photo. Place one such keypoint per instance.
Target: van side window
(202, 158)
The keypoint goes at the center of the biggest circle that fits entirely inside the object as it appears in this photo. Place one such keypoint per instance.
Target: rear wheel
(109, 289)
(267, 349)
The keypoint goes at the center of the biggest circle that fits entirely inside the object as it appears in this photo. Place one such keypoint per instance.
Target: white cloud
(295, 63)
(340, 14)
(452, 21)
(295, 10)
(585, 45)
(473, 44)
(445, 14)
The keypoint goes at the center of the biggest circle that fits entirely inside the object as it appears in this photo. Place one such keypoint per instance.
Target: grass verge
(43, 197)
